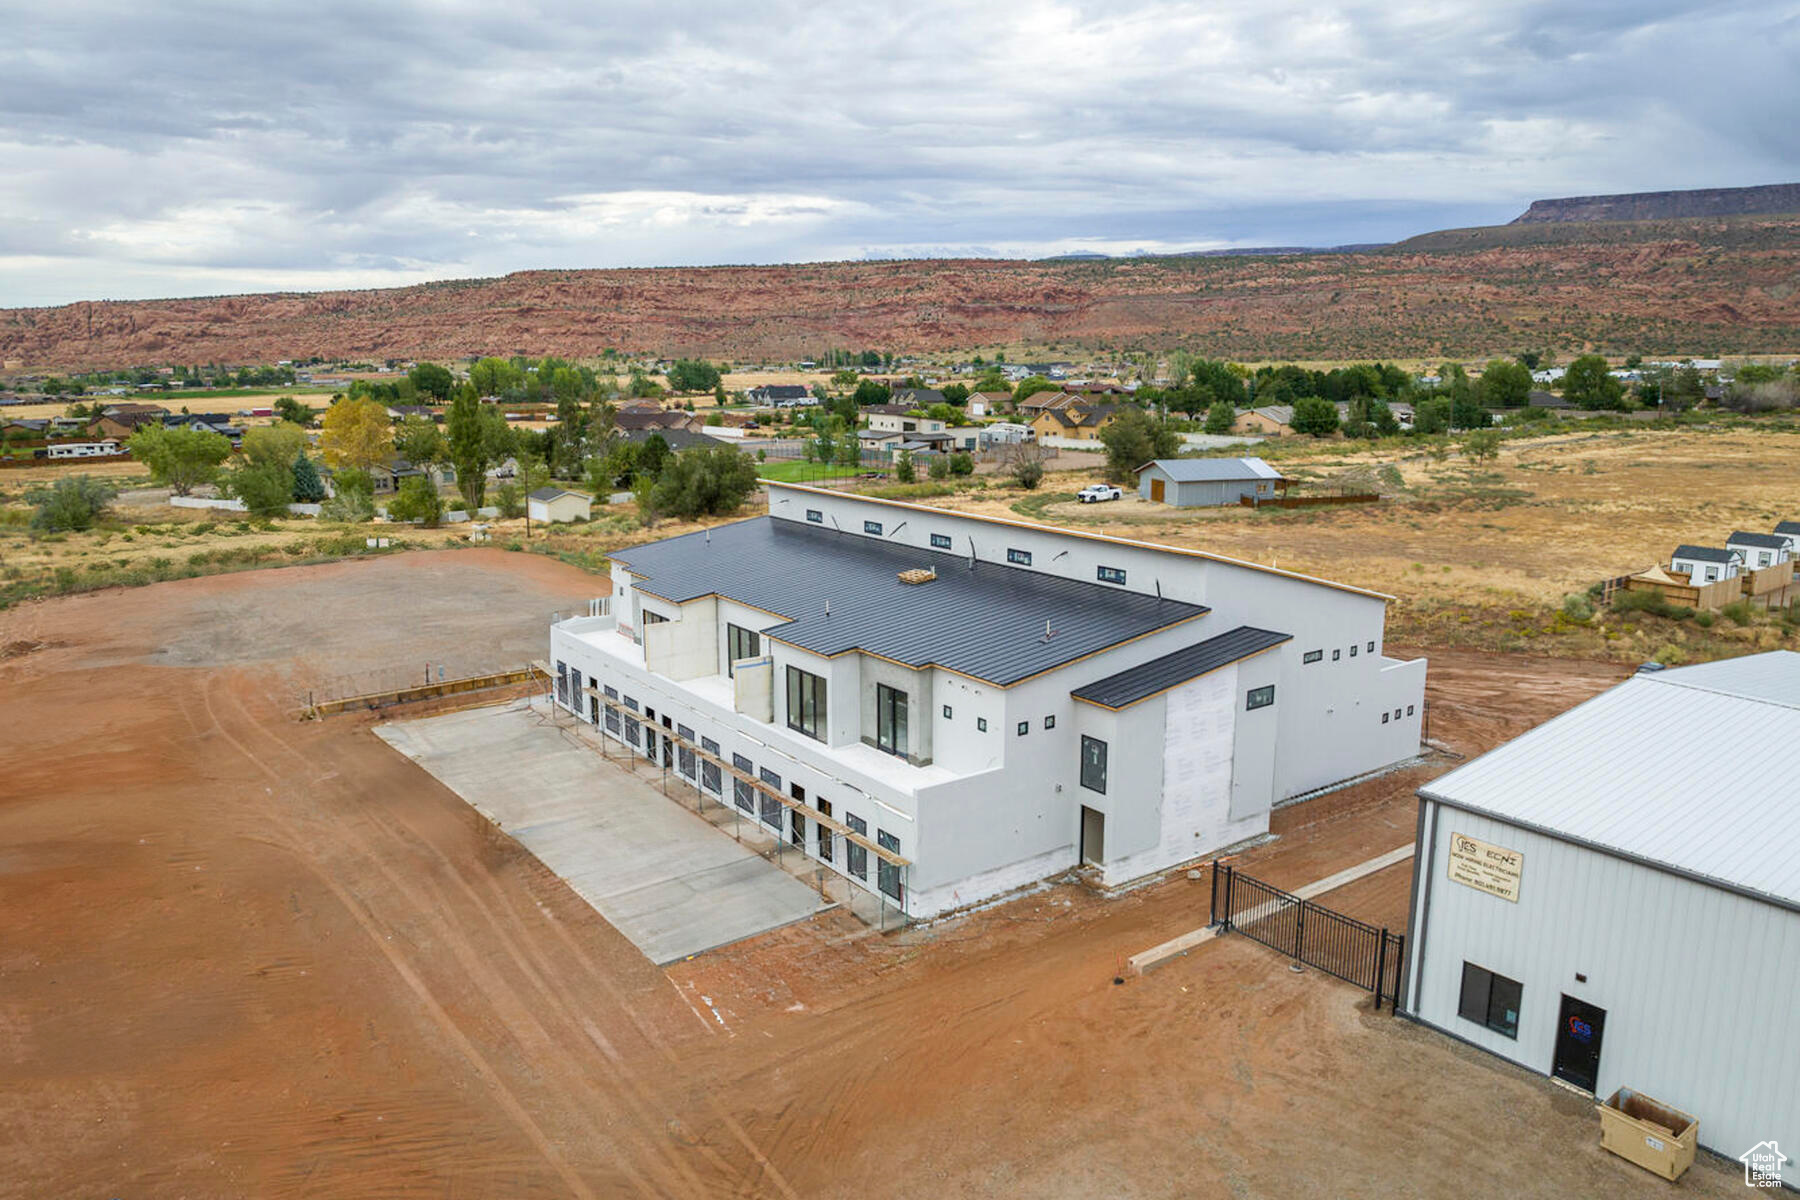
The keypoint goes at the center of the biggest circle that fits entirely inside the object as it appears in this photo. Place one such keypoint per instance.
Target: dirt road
(246, 956)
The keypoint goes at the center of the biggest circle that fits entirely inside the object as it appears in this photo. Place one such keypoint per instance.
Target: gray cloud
(207, 147)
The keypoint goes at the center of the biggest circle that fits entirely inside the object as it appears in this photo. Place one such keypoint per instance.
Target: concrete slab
(660, 874)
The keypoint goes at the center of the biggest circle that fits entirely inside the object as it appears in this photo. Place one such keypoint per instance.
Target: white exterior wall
(1698, 569)
(1698, 983)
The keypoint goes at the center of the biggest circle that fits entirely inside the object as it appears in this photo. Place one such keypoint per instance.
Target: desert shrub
(509, 497)
(1738, 612)
(1704, 620)
(71, 503)
(1578, 607)
(1651, 602)
(417, 500)
(940, 467)
(962, 463)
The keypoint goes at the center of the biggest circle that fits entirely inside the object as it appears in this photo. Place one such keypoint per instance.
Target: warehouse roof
(1213, 470)
(1617, 773)
(842, 592)
(1706, 553)
(1171, 670)
(1765, 541)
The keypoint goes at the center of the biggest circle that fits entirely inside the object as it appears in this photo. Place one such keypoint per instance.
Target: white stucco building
(1035, 699)
(1583, 907)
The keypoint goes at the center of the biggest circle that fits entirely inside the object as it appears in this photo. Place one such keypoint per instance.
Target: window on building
(825, 834)
(1384, 718)
(946, 712)
(562, 683)
(1712, 574)
(1093, 764)
(887, 875)
(1409, 710)
(631, 731)
(740, 643)
(1336, 654)
(1489, 999)
(1260, 697)
(1021, 557)
(981, 724)
(1353, 652)
(815, 516)
(742, 794)
(856, 858)
(1050, 721)
(1312, 656)
(1396, 714)
(613, 725)
(890, 720)
(685, 758)
(711, 778)
(771, 799)
(1024, 728)
(806, 703)
(873, 527)
(612, 693)
(1371, 647)
(575, 689)
(653, 618)
(940, 541)
(631, 704)
(1109, 574)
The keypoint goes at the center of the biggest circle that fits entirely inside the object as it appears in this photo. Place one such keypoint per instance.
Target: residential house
(1075, 419)
(121, 425)
(898, 418)
(1759, 550)
(781, 395)
(1270, 420)
(1538, 398)
(554, 505)
(925, 702)
(986, 404)
(674, 439)
(918, 397)
(629, 420)
(1705, 564)
(1198, 482)
(1004, 433)
(1791, 531)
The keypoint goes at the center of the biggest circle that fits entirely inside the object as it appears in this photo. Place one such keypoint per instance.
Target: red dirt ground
(247, 956)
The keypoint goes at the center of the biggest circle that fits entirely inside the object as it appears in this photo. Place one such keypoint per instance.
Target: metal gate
(1352, 950)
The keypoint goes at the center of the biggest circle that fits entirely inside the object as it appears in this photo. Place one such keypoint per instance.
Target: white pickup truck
(1094, 493)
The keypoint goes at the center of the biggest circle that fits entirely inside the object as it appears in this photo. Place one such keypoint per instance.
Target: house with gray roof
(1706, 564)
(1759, 550)
(1197, 482)
(938, 707)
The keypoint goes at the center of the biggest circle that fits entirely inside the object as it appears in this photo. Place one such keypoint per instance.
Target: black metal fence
(1352, 950)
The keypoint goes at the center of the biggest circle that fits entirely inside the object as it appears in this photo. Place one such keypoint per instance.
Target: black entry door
(1578, 1032)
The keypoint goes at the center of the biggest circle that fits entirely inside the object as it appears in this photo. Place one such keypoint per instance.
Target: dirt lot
(244, 955)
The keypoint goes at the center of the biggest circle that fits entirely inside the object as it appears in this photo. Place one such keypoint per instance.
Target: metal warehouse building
(1196, 482)
(1613, 899)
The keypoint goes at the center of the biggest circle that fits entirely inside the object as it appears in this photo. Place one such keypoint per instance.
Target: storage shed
(1586, 906)
(551, 505)
(1196, 482)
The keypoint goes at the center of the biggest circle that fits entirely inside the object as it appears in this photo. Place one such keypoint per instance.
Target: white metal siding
(1698, 983)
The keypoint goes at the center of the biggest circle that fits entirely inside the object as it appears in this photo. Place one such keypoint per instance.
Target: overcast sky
(177, 148)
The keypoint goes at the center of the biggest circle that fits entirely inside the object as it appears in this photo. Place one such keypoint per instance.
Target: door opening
(1093, 836)
(1156, 490)
(1579, 1028)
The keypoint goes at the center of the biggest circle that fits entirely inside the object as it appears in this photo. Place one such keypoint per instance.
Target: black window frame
(1311, 656)
(1017, 557)
(712, 778)
(873, 527)
(856, 858)
(980, 724)
(1371, 647)
(771, 803)
(887, 874)
(1336, 655)
(1259, 697)
(891, 702)
(940, 541)
(806, 712)
(1110, 575)
(1352, 651)
(1484, 994)
(743, 793)
(815, 516)
(614, 726)
(686, 761)
(1092, 762)
(947, 712)
(734, 635)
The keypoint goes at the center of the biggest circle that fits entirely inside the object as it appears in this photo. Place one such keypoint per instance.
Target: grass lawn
(797, 471)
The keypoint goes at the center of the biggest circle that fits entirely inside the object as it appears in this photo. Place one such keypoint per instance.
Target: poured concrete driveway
(657, 872)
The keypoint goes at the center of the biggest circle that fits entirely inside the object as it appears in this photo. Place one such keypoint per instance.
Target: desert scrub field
(1484, 553)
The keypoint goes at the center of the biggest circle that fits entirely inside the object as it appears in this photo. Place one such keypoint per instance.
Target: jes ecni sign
(1486, 868)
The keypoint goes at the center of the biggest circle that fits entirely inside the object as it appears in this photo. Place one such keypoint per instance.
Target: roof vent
(919, 575)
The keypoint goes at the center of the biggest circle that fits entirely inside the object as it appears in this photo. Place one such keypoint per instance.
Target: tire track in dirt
(535, 968)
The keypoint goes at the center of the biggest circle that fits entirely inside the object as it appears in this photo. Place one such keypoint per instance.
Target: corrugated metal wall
(1701, 986)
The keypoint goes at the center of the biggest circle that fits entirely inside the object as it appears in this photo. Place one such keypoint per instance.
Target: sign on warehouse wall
(1485, 867)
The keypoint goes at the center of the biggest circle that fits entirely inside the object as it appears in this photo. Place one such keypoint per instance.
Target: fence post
(1300, 931)
(1212, 900)
(1230, 878)
(1380, 966)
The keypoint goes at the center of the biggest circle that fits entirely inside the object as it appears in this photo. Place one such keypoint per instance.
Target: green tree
(308, 487)
(477, 437)
(417, 500)
(266, 488)
(704, 481)
(1684, 390)
(940, 466)
(1505, 384)
(71, 503)
(962, 463)
(1431, 414)
(276, 445)
(1134, 438)
(1466, 411)
(1220, 417)
(1482, 445)
(1315, 415)
(495, 377)
(419, 440)
(1030, 386)
(352, 497)
(654, 455)
(869, 392)
(693, 375)
(432, 380)
(293, 412)
(903, 468)
(956, 393)
(1588, 383)
(180, 458)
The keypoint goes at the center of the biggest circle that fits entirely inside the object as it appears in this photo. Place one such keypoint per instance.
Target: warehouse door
(1156, 490)
(1093, 836)
(1578, 1032)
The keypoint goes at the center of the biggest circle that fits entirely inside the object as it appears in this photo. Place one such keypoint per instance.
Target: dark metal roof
(1705, 554)
(1766, 541)
(1787, 527)
(1189, 662)
(987, 622)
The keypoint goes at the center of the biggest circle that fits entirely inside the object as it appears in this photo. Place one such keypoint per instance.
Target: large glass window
(890, 720)
(1093, 764)
(806, 703)
(684, 753)
(741, 792)
(740, 643)
(887, 875)
(1260, 697)
(771, 803)
(856, 858)
(1489, 999)
(711, 777)
(825, 833)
